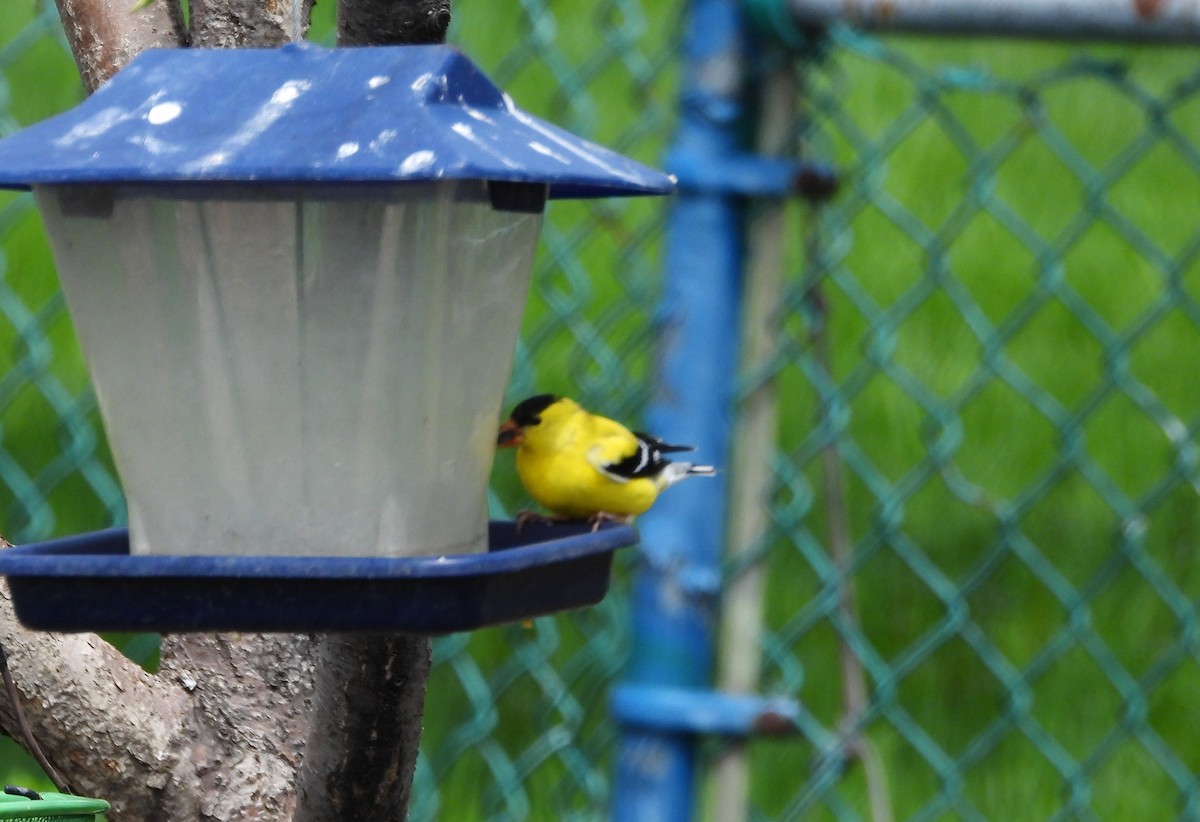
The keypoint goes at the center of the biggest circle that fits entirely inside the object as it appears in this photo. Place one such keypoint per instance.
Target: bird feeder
(298, 276)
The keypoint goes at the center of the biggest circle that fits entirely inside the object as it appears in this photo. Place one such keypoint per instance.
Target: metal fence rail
(975, 557)
(1160, 21)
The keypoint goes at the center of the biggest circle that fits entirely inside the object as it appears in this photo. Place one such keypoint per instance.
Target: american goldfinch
(580, 465)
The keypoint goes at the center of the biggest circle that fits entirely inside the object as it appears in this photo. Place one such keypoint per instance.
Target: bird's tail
(676, 471)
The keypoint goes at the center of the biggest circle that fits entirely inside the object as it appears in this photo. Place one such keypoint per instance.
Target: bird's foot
(600, 517)
(525, 517)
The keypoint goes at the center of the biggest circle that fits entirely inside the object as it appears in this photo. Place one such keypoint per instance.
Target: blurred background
(981, 482)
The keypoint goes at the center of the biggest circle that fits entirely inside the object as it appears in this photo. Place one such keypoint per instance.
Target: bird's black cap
(527, 411)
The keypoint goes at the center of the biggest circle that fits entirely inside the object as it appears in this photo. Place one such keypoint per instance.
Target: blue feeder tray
(90, 582)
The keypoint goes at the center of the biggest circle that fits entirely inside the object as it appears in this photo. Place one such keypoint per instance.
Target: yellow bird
(583, 466)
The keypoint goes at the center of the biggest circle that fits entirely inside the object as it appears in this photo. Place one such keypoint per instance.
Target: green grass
(1029, 343)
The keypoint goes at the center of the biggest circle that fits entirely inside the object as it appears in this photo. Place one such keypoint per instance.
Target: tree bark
(229, 24)
(392, 22)
(370, 705)
(106, 34)
(231, 726)
(218, 731)
(104, 723)
(249, 699)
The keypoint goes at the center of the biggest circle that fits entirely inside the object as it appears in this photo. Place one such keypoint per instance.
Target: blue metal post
(677, 585)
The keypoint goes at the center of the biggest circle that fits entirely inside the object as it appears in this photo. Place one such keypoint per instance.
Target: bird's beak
(510, 435)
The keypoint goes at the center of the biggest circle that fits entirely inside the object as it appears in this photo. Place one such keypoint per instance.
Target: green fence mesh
(1003, 427)
(1009, 284)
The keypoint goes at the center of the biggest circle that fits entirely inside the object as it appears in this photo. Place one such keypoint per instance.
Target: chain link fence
(984, 495)
(1008, 285)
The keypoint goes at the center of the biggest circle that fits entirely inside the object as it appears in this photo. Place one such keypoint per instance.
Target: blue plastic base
(91, 583)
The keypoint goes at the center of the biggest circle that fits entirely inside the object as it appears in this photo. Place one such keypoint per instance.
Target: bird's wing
(622, 455)
(660, 446)
(614, 451)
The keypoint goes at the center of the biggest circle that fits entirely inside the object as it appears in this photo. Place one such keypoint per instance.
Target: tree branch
(106, 34)
(222, 727)
(79, 695)
(246, 23)
(392, 22)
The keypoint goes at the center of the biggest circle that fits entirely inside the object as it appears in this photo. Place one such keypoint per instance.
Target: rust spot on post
(1148, 9)
(870, 11)
(885, 10)
(772, 723)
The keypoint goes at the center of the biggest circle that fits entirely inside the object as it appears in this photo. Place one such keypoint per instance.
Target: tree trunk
(106, 34)
(368, 734)
(232, 726)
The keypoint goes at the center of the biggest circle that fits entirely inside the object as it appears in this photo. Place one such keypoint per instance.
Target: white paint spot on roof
(421, 81)
(153, 144)
(385, 137)
(477, 114)
(378, 80)
(347, 150)
(549, 152)
(216, 158)
(289, 91)
(164, 113)
(588, 152)
(465, 131)
(417, 161)
(270, 111)
(93, 126)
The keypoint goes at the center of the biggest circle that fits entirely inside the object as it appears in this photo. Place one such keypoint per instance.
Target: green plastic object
(21, 803)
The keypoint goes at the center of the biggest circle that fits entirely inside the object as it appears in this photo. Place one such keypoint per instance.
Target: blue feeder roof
(306, 114)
